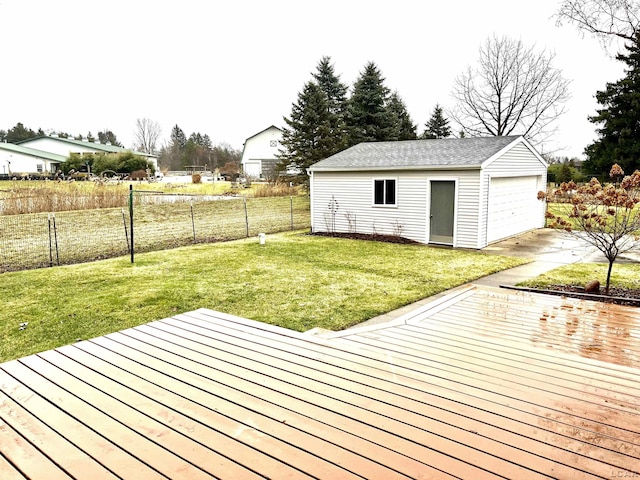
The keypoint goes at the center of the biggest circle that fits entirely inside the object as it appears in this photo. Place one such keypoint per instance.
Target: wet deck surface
(486, 383)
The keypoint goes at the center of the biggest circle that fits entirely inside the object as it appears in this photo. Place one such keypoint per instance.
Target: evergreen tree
(107, 136)
(178, 138)
(19, 133)
(619, 118)
(368, 118)
(307, 137)
(197, 150)
(437, 126)
(171, 155)
(330, 84)
(336, 95)
(404, 128)
(206, 142)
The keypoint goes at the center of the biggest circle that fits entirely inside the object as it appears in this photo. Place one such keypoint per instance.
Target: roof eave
(392, 168)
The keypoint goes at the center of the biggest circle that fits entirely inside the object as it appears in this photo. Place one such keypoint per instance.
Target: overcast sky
(230, 69)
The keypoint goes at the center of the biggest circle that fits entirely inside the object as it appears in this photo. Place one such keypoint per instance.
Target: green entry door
(442, 210)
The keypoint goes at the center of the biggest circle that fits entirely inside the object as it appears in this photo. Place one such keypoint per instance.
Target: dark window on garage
(384, 192)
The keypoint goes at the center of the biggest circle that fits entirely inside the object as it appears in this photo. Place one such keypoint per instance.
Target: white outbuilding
(67, 146)
(462, 192)
(260, 153)
(16, 160)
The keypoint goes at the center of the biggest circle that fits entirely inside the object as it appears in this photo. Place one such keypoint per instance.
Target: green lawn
(297, 281)
(623, 275)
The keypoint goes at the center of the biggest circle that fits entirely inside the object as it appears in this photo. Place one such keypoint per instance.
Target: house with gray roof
(462, 192)
(18, 160)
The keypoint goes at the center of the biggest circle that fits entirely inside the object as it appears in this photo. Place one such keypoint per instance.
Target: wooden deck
(486, 383)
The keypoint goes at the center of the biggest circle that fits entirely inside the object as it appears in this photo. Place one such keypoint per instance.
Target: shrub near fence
(160, 221)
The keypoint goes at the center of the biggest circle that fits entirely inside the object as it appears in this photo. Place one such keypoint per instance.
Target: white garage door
(252, 168)
(513, 207)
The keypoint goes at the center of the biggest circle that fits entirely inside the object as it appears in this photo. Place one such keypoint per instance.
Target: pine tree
(368, 118)
(172, 155)
(307, 137)
(107, 136)
(437, 126)
(336, 95)
(619, 118)
(178, 138)
(19, 133)
(404, 128)
(330, 84)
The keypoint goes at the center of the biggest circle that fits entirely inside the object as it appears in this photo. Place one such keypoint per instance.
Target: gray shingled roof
(446, 152)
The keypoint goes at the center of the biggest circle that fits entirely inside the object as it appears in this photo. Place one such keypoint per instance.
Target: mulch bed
(366, 236)
(618, 296)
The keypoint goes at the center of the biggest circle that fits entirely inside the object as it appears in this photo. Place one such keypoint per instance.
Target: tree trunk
(606, 289)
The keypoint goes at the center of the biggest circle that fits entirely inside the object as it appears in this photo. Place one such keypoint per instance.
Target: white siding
(60, 147)
(17, 163)
(262, 146)
(351, 194)
(519, 161)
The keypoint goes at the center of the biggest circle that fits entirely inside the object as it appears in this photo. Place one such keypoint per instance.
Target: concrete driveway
(549, 249)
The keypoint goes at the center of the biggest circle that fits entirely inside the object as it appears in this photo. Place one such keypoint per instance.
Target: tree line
(513, 89)
(325, 119)
(19, 132)
(177, 154)
(197, 150)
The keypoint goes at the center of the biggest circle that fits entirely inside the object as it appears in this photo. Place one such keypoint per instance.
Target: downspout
(486, 208)
(310, 174)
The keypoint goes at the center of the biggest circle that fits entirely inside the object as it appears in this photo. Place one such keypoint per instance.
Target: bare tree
(605, 19)
(514, 90)
(146, 135)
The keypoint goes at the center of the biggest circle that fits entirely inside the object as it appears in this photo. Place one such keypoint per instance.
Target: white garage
(462, 192)
(512, 200)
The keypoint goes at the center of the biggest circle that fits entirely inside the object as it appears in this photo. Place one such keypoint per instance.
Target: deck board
(578, 446)
(486, 383)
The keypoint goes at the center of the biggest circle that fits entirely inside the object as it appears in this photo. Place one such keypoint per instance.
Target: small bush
(139, 175)
(196, 178)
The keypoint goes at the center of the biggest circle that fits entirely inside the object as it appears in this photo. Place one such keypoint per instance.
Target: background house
(464, 192)
(259, 155)
(18, 160)
(67, 146)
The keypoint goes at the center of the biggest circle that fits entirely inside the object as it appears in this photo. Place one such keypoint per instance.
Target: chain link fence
(153, 221)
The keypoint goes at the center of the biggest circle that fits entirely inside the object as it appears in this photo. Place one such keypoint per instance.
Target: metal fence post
(131, 218)
(193, 224)
(126, 232)
(246, 215)
(50, 242)
(55, 238)
(291, 209)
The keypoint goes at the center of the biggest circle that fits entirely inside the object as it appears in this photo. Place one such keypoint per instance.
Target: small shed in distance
(462, 192)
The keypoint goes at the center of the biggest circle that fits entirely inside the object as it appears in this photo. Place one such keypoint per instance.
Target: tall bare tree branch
(514, 90)
(146, 135)
(604, 19)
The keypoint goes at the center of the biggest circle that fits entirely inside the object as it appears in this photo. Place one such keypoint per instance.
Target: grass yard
(20, 197)
(624, 276)
(296, 281)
